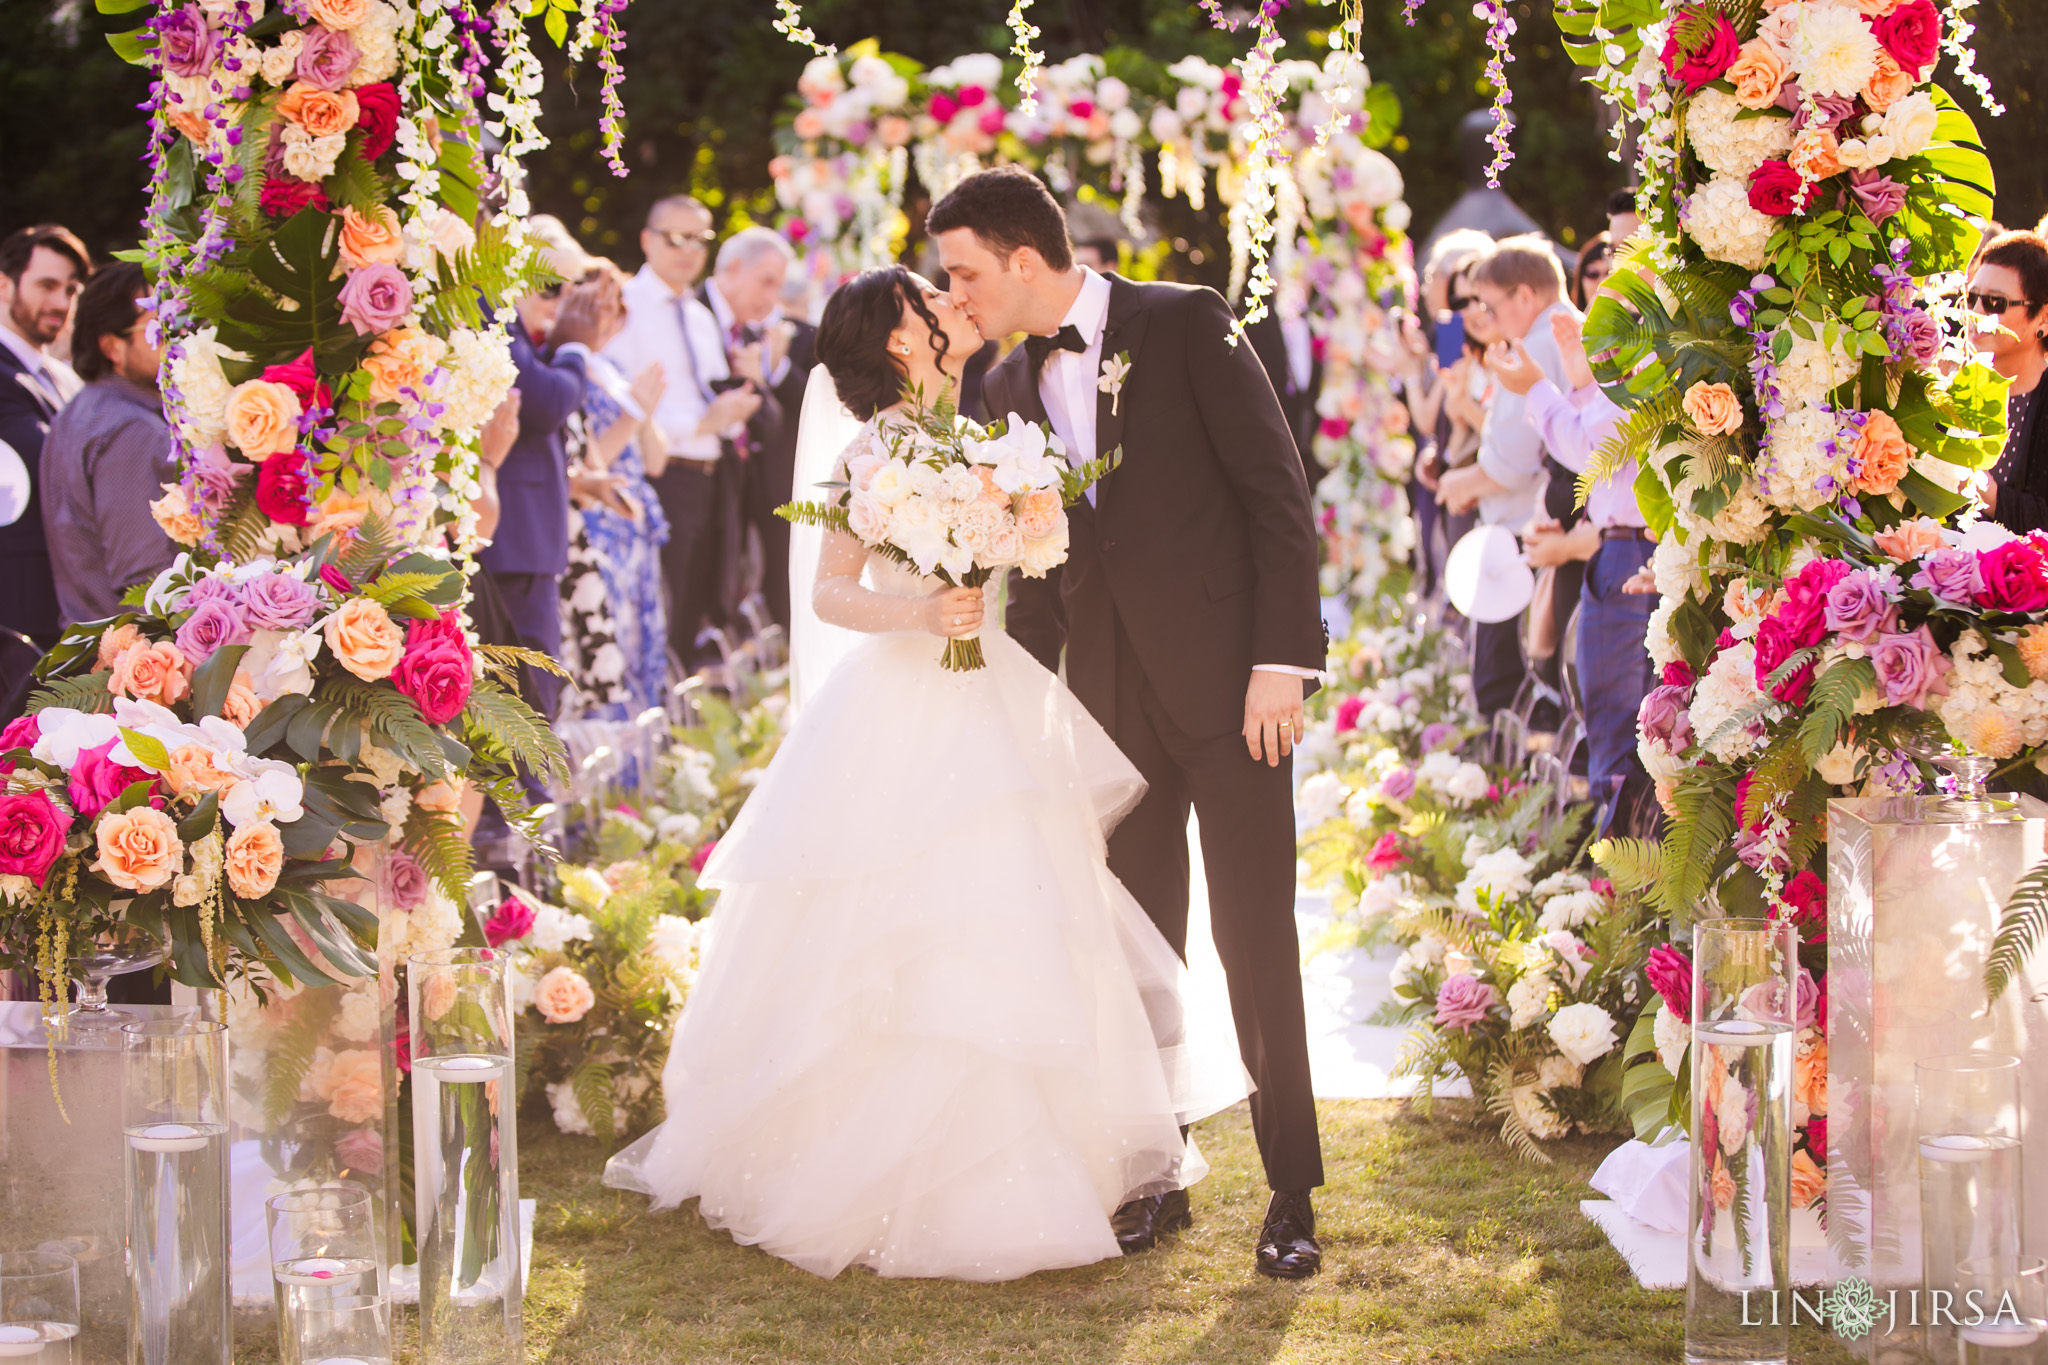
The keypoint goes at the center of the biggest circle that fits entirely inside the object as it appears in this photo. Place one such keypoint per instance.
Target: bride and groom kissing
(940, 1032)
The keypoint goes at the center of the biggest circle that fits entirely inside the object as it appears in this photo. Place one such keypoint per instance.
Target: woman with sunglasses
(2009, 291)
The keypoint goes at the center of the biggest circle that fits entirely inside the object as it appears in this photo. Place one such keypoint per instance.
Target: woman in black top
(2010, 288)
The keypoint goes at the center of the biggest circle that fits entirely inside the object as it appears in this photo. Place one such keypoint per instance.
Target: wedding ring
(959, 620)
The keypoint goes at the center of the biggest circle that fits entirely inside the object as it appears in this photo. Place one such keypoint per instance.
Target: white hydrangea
(434, 923)
(1720, 219)
(1535, 1116)
(1657, 637)
(1571, 910)
(1743, 520)
(554, 928)
(673, 941)
(1730, 145)
(358, 1020)
(1984, 710)
(1469, 784)
(1559, 884)
(569, 1115)
(1801, 472)
(1504, 872)
(201, 410)
(1529, 999)
(1812, 370)
(376, 41)
(479, 374)
(1321, 798)
(1674, 1038)
(1583, 1032)
(1438, 768)
(1728, 689)
(1677, 569)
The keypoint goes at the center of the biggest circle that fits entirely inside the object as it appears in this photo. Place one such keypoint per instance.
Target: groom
(1190, 618)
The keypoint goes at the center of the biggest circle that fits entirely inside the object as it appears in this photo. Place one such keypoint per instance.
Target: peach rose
(139, 849)
(1810, 1078)
(894, 130)
(115, 643)
(242, 704)
(378, 239)
(1714, 408)
(263, 418)
(809, 123)
(340, 13)
(365, 639)
(1911, 539)
(437, 994)
(149, 672)
(1883, 453)
(401, 359)
(195, 770)
(192, 125)
(1876, 9)
(1888, 83)
(1758, 75)
(2033, 643)
(339, 513)
(1809, 1181)
(1814, 154)
(563, 996)
(322, 113)
(1040, 514)
(1724, 1186)
(354, 1086)
(173, 512)
(442, 797)
(255, 856)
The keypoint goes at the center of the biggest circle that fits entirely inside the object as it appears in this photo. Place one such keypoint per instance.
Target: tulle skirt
(933, 1035)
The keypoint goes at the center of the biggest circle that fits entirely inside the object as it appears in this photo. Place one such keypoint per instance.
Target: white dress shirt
(56, 381)
(1067, 385)
(1510, 446)
(722, 311)
(682, 336)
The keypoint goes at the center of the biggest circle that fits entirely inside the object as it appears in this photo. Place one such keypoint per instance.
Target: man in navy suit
(526, 558)
(42, 268)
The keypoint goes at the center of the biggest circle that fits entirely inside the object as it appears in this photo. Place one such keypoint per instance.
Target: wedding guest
(1596, 263)
(108, 453)
(702, 412)
(1424, 387)
(2009, 290)
(1518, 286)
(1098, 236)
(42, 268)
(1622, 217)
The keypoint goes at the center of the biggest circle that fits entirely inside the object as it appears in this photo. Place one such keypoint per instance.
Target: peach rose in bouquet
(563, 996)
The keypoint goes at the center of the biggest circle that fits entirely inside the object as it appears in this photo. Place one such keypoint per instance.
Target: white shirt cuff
(1288, 669)
(573, 348)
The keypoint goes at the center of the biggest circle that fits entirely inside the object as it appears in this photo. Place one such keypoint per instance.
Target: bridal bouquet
(958, 501)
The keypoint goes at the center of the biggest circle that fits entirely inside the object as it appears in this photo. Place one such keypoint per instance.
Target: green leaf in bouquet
(503, 788)
(368, 551)
(1831, 703)
(293, 1044)
(355, 183)
(147, 750)
(272, 721)
(592, 1084)
(337, 946)
(284, 950)
(502, 663)
(307, 728)
(497, 717)
(434, 579)
(357, 919)
(189, 965)
(1693, 631)
(86, 693)
(394, 721)
(443, 850)
(211, 680)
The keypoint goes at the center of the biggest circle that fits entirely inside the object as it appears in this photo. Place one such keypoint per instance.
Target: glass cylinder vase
(1967, 1127)
(39, 1318)
(325, 1251)
(466, 1168)
(175, 1132)
(1738, 1264)
(2002, 1311)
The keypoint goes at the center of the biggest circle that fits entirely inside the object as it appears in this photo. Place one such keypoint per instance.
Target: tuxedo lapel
(1019, 385)
(12, 370)
(1123, 333)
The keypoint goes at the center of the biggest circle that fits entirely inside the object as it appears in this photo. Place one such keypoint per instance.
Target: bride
(935, 1036)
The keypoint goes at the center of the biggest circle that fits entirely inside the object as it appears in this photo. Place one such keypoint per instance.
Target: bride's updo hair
(853, 337)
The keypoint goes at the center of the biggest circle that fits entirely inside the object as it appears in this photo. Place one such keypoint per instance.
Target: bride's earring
(903, 350)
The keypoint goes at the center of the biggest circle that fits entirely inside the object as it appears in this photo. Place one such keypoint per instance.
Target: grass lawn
(1439, 1246)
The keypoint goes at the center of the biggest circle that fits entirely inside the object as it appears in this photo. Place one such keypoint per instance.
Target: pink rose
(1911, 34)
(1805, 605)
(991, 120)
(1398, 784)
(32, 832)
(702, 856)
(1775, 644)
(21, 733)
(1670, 973)
(1386, 854)
(96, 779)
(2015, 576)
(437, 671)
(1463, 1001)
(403, 881)
(563, 996)
(1662, 718)
(1348, 712)
(512, 919)
(1777, 190)
(377, 119)
(1709, 58)
(362, 1151)
(375, 299)
(944, 106)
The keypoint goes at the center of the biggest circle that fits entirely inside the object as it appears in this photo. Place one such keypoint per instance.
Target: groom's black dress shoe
(1141, 1223)
(1287, 1244)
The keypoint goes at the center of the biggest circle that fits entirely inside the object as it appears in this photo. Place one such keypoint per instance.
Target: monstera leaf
(287, 299)
(1952, 178)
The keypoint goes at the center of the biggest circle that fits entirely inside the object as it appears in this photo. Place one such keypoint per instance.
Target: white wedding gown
(934, 1036)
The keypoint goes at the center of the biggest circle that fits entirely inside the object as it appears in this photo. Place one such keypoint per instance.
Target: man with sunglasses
(701, 411)
(2009, 291)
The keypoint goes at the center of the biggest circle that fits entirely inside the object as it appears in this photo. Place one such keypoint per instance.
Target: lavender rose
(215, 478)
(1438, 735)
(188, 45)
(1877, 194)
(1663, 718)
(1950, 575)
(1910, 666)
(217, 623)
(375, 299)
(212, 590)
(1398, 784)
(279, 601)
(1463, 1001)
(1920, 335)
(328, 58)
(1858, 609)
(404, 881)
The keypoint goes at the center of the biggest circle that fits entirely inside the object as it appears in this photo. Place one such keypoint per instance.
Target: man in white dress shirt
(700, 412)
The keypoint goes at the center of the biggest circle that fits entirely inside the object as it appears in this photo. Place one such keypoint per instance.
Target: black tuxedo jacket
(767, 420)
(28, 588)
(1269, 343)
(777, 452)
(1201, 544)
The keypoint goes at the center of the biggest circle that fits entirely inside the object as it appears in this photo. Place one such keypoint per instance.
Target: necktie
(1068, 338)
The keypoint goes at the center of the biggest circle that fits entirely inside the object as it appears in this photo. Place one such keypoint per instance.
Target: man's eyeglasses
(679, 239)
(1459, 303)
(550, 291)
(1995, 305)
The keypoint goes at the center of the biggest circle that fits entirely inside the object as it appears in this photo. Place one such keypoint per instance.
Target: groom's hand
(1272, 715)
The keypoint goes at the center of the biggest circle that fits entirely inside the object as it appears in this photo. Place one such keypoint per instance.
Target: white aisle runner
(1350, 1060)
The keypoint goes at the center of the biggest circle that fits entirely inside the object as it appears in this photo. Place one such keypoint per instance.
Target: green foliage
(441, 845)
(494, 717)
(291, 1052)
(2020, 930)
(461, 293)
(1831, 703)
(87, 692)
(298, 265)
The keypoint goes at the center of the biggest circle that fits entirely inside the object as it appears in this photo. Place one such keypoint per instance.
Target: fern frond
(592, 1083)
(498, 716)
(292, 1048)
(1831, 703)
(501, 662)
(442, 849)
(2020, 930)
(1631, 864)
(1500, 1102)
(86, 692)
(369, 550)
(395, 722)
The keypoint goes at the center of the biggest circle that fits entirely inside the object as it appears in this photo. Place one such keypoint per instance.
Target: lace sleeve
(840, 600)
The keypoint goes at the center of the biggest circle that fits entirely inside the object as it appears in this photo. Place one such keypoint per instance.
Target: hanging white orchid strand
(791, 26)
(1955, 40)
(1265, 161)
(1027, 79)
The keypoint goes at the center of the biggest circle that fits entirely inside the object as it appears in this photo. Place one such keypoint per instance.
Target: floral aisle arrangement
(959, 501)
(844, 160)
(297, 703)
(1808, 423)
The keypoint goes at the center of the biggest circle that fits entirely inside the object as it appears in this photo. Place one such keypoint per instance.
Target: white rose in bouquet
(1529, 999)
(1321, 798)
(1910, 123)
(1570, 910)
(1583, 1032)
(1559, 1073)
(1674, 1038)
(1469, 784)
(1503, 872)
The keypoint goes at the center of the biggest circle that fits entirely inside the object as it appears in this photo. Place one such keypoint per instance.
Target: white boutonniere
(1114, 371)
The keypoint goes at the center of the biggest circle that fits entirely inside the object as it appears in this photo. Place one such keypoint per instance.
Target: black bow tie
(1068, 338)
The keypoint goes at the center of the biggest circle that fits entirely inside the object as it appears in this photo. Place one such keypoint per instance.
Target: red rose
(302, 379)
(31, 835)
(281, 488)
(944, 106)
(285, 195)
(1776, 189)
(1775, 643)
(1808, 897)
(1677, 673)
(376, 118)
(970, 96)
(2015, 576)
(436, 672)
(1386, 853)
(1912, 34)
(96, 779)
(1712, 54)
